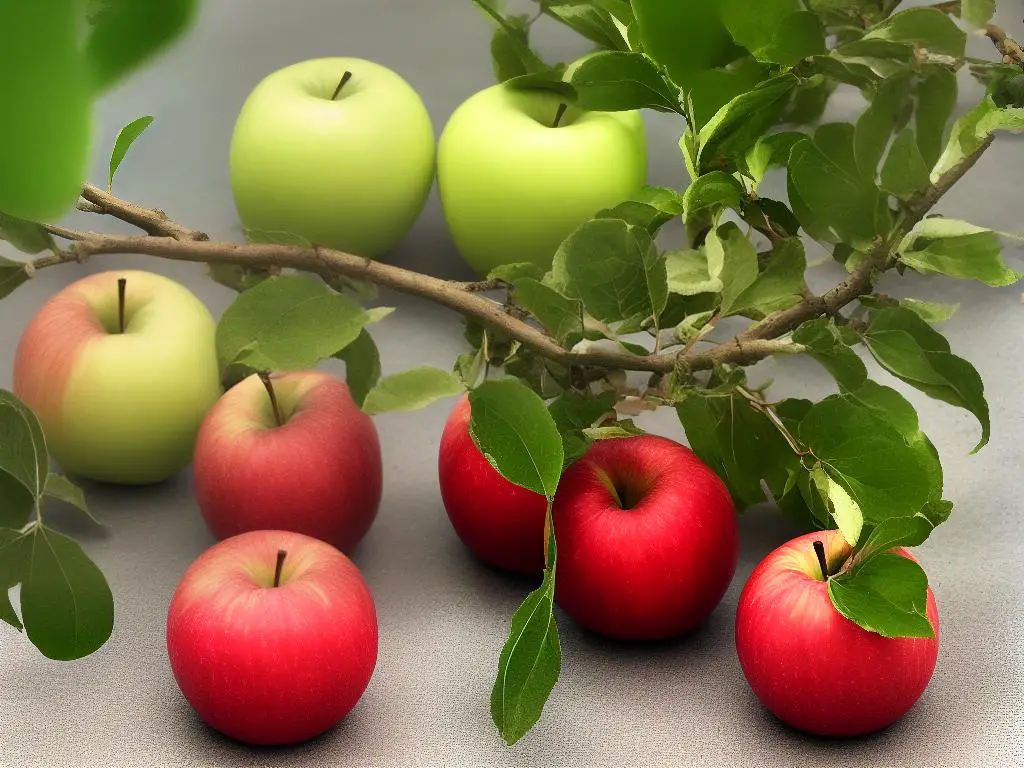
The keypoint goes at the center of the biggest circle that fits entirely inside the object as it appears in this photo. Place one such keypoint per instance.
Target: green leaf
(411, 390)
(684, 37)
(236, 277)
(888, 596)
(755, 30)
(650, 208)
(771, 151)
(573, 413)
(125, 138)
(740, 444)
(973, 129)
(842, 203)
(60, 488)
(66, 605)
(913, 351)
(844, 509)
(509, 273)
(595, 24)
(362, 366)
(892, 533)
(618, 430)
(23, 455)
(798, 36)
(27, 236)
(715, 191)
(930, 311)
(515, 432)
(956, 249)
(877, 123)
(904, 173)
(510, 46)
(470, 367)
(616, 81)
(837, 142)
(614, 268)
(778, 286)
(289, 323)
(937, 512)
(129, 34)
(731, 257)
(825, 344)
(870, 459)
(529, 664)
(562, 317)
(738, 125)
(688, 273)
(12, 275)
(46, 131)
(977, 13)
(936, 99)
(926, 27)
(12, 568)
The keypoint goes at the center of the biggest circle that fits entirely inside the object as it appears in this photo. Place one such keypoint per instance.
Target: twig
(151, 220)
(1006, 45)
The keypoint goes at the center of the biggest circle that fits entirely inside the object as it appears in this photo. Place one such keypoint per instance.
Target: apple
(812, 667)
(500, 522)
(337, 150)
(272, 637)
(647, 539)
(513, 187)
(308, 460)
(120, 386)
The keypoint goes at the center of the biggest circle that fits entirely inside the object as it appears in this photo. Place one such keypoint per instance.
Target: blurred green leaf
(129, 34)
(46, 131)
(411, 390)
(27, 236)
(125, 138)
(930, 311)
(977, 13)
(12, 275)
(23, 454)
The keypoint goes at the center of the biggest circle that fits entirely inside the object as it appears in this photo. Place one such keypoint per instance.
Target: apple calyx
(122, 286)
(559, 113)
(341, 84)
(281, 555)
(264, 376)
(819, 550)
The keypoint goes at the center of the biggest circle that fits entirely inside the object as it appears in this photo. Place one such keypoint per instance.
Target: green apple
(120, 402)
(337, 150)
(514, 185)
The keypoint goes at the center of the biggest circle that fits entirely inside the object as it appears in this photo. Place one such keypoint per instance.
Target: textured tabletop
(443, 617)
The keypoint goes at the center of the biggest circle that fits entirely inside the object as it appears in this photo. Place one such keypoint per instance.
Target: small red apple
(318, 472)
(647, 539)
(272, 637)
(500, 522)
(811, 666)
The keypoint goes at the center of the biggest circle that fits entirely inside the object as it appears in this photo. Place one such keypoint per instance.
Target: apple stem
(281, 555)
(265, 378)
(559, 114)
(819, 550)
(122, 285)
(344, 79)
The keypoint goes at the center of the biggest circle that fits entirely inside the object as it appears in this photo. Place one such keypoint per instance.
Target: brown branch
(151, 220)
(1009, 48)
(756, 343)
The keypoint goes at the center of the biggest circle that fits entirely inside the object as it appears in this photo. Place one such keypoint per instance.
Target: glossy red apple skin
(812, 667)
(272, 665)
(500, 522)
(654, 571)
(320, 473)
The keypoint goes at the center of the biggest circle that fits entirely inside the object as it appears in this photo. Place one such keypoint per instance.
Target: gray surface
(443, 618)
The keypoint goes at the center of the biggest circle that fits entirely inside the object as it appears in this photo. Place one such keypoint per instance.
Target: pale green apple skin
(120, 408)
(351, 174)
(513, 188)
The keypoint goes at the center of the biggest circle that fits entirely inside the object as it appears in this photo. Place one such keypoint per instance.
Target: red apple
(318, 472)
(812, 667)
(647, 539)
(500, 522)
(266, 664)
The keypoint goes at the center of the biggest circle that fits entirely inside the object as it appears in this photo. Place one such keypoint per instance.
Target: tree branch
(1006, 45)
(759, 341)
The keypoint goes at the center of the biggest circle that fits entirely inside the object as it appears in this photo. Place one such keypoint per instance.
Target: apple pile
(272, 631)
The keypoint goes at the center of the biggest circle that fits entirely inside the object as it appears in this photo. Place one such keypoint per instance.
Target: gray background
(443, 617)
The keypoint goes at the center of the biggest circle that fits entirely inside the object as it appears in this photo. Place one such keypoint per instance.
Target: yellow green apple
(120, 367)
(517, 172)
(337, 150)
